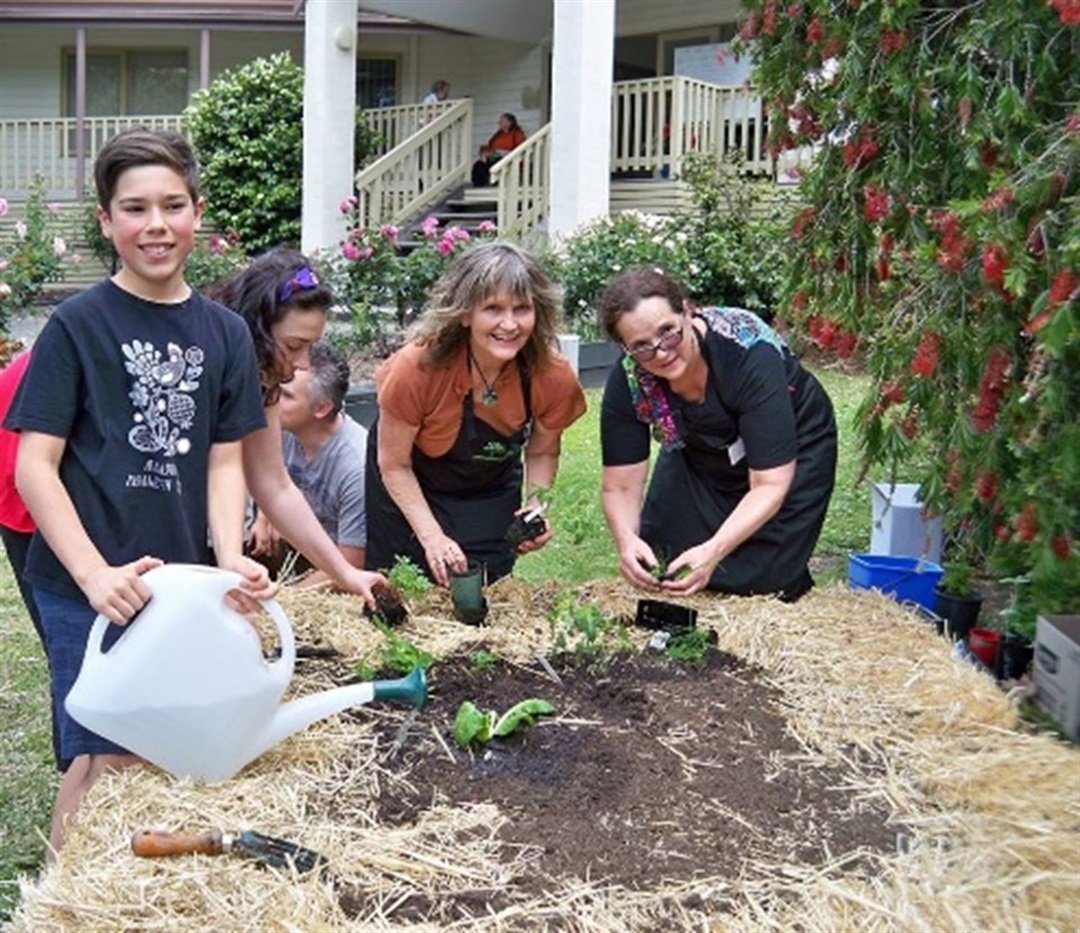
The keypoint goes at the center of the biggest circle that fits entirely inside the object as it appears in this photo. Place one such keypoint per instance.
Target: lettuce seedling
(471, 725)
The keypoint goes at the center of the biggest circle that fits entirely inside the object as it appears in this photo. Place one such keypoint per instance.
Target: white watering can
(186, 685)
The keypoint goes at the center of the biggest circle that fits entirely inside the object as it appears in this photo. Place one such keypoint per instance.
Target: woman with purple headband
(285, 304)
(746, 467)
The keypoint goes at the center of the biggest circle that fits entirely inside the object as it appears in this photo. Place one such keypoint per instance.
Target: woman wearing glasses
(748, 446)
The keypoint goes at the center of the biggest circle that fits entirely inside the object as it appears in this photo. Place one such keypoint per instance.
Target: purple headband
(304, 278)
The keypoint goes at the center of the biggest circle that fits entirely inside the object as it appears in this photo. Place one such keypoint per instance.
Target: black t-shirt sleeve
(47, 399)
(624, 439)
(763, 402)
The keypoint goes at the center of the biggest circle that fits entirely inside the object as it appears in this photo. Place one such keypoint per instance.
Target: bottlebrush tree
(941, 241)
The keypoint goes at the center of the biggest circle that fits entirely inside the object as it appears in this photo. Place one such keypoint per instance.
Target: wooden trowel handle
(152, 843)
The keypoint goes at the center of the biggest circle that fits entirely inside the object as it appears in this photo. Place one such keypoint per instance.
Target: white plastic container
(898, 527)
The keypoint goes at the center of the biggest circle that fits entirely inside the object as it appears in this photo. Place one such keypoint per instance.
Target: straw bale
(987, 816)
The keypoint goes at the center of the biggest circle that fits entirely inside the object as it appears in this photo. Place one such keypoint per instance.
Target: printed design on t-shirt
(161, 396)
(497, 451)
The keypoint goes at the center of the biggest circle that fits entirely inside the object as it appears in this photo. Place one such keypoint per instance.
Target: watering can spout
(298, 714)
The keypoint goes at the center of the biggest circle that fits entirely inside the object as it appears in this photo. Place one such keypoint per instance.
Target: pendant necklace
(489, 396)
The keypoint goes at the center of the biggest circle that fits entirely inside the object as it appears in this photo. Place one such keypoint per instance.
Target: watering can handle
(221, 581)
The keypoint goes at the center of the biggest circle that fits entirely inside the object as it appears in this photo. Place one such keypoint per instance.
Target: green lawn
(580, 551)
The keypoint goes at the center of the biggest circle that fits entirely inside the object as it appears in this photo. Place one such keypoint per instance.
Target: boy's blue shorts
(67, 624)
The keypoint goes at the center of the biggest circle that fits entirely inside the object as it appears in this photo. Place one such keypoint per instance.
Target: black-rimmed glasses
(645, 353)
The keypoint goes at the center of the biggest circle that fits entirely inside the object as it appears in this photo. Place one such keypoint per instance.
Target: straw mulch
(990, 815)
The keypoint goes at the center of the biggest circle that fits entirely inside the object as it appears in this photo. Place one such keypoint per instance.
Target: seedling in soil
(471, 725)
(584, 630)
(398, 656)
(690, 646)
(481, 661)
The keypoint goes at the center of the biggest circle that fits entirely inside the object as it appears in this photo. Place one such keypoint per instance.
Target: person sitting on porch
(440, 90)
(506, 138)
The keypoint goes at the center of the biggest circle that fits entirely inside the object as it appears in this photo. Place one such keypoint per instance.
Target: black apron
(473, 490)
(694, 489)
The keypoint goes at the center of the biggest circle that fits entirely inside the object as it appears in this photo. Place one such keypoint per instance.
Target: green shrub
(247, 128)
(721, 252)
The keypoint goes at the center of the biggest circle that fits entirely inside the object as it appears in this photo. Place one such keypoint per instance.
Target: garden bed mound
(649, 773)
(831, 766)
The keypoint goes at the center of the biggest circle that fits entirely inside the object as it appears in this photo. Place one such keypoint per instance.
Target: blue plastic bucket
(903, 578)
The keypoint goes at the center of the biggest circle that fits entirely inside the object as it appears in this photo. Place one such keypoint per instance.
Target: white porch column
(583, 49)
(329, 106)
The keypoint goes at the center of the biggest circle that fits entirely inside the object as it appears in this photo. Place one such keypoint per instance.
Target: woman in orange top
(507, 138)
(478, 389)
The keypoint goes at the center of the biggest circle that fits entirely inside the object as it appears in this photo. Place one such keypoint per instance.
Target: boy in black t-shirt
(131, 416)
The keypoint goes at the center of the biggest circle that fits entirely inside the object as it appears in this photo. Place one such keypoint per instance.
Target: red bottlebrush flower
(798, 301)
(1036, 237)
(846, 344)
(1072, 124)
(860, 151)
(828, 333)
(1063, 287)
(1026, 523)
(892, 40)
(987, 154)
(876, 203)
(749, 30)
(1068, 11)
(803, 220)
(768, 22)
(794, 11)
(815, 31)
(991, 388)
(1037, 323)
(926, 356)
(998, 200)
(1001, 533)
(892, 393)
(840, 263)
(833, 48)
(1061, 545)
(910, 425)
(986, 486)
(883, 269)
(994, 263)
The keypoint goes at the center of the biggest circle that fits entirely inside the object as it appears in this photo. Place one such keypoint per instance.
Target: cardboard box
(1056, 670)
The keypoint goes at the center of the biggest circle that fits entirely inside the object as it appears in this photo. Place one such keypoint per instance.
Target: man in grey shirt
(324, 454)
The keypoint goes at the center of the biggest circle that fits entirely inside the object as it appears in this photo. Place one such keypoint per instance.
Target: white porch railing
(523, 178)
(49, 147)
(418, 172)
(655, 121)
(396, 124)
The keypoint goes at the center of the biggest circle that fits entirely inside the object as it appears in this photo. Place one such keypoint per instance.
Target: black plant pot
(961, 613)
(1014, 656)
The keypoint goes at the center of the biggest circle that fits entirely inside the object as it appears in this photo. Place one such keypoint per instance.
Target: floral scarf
(647, 392)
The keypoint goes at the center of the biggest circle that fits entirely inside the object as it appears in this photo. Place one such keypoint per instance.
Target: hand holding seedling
(690, 571)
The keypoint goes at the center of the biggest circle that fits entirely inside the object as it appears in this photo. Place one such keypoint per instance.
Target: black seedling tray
(656, 614)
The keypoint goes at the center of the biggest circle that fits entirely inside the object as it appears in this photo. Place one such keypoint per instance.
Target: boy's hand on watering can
(119, 592)
(255, 587)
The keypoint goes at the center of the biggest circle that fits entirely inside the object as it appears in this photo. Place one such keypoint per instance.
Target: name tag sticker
(736, 451)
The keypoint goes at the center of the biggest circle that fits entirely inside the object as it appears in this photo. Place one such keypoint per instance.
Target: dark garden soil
(650, 773)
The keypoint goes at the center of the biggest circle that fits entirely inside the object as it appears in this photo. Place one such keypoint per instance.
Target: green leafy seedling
(690, 646)
(398, 655)
(409, 579)
(481, 661)
(473, 726)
